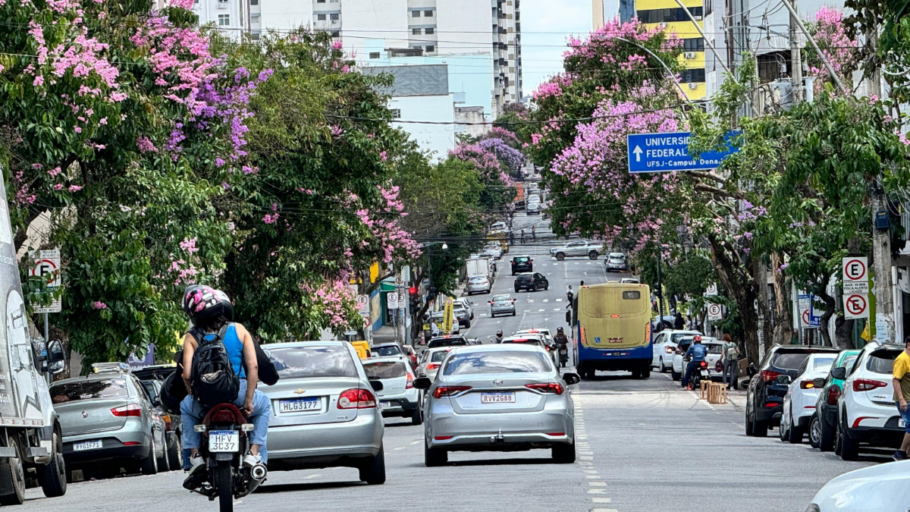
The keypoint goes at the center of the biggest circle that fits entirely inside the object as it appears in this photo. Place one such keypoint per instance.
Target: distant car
(438, 316)
(531, 282)
(447, 340)
(462, 315)
(617, 262)
(522, 264)
(823, 427)
(172, 425)
(630, 280)
(878, 488)
(765, 394)
(494, 250)
(535, 339)
(478, 284)
(664, 347)
(579, 248)
(802, 394)
(110, 422)
(326, 412)
(431, 361)
(515, 388)
(502, 305)
(533, 208)
(398, 396)
(867, 413)
(543, 331)
(388, 350)
(715, 351)
(467, 304)
(499, 227)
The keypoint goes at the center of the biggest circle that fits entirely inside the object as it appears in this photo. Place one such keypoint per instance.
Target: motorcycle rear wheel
(224, 483)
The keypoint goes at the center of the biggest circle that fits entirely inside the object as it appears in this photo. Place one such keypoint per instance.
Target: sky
(545, 25)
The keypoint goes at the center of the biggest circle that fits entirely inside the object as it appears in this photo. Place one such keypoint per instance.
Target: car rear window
(89, 390)
(520, 259)
(502, 298)
(789, 360)
(496, 362)
(478, 279)
(882, 361)
(822, 363)
(385, 370)
(390, 350)
(437, 357)
(523, 341)
(446, 342)
(677, 337)
(714, 348)
(303, 362)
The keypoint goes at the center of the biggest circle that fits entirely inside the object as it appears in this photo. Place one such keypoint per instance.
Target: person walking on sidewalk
(731, 362)
(522, 237)
(901, 385)
(534, 233)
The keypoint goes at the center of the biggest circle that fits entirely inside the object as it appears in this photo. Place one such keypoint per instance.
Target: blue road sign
(665, 152)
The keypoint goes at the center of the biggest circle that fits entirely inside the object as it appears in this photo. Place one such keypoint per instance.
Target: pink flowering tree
(498, 186)
(830, 33)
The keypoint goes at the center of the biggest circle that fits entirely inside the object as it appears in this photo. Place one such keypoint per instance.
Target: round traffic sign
(806, 317)
(45, 267)
(854, 270)
(855, 304)
(366, 321)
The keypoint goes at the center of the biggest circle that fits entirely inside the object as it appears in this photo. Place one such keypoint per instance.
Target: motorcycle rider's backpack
(214, 380)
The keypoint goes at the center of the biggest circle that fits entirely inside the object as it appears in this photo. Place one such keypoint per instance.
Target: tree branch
(718, 192)
(709, 176)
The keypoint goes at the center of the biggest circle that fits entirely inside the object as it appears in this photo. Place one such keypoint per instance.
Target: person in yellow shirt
(901, 384)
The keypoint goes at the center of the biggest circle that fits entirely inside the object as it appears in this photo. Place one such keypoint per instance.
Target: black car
(522, 264)
(447, 340)
(531, 282)
(769, 384)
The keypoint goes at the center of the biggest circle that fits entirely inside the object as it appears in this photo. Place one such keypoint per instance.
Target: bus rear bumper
(615, 359)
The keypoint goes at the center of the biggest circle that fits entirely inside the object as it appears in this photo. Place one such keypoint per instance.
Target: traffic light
(414, 298)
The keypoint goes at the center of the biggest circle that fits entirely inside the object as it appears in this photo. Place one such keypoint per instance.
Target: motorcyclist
(210, 310)
(696, 353)
(498, 337)
(562, 345)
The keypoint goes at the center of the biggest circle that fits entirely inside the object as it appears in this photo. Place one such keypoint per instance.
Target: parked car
(765, 395)
(456, 324)
(866, 410)
(531, 281)
(664, 347)
(617, 262)
(173, 438)
(109, 422)
(879, 488)
(326, 411)
(398, 396)
(715, 351)
(462, 316)
(533, 208)
(493, 249)
(478, 284)
(516, 388)
(579, 248)
(502, 305)
(447, 340)
(499, 227)
(432, 359)
(522, 264)
(823, 426)
(467, 304)
(802, 394)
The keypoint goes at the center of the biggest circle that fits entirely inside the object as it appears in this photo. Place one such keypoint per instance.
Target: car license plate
(497, 398)
(86, 445)
(224, 441)
(901, 423)
(385, 405)
(298, 405)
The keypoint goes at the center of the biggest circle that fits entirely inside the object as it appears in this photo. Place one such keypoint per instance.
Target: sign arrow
(638, 153)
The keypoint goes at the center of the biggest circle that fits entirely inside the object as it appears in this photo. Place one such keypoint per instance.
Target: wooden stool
(704, 387)
(717, 393)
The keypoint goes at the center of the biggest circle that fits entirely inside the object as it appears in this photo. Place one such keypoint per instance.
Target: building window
(374, 55)
(333, 17)
(254, 2)
(428, 14)
(429, 31)
(320, 17)
(668, 15)
(255, 36)
(415, 14)
(224, 20)
(254, 18)
(692, 76)
(396, 113)
(695, 44)
(338, 34)
(431, 49)
(415, 31)
(320, 1)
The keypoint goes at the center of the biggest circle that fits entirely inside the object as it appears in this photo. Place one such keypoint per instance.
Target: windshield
(385, 370)
(319, 361)
(437, 357)
(388, 350)
(89, 390)
(496, 362)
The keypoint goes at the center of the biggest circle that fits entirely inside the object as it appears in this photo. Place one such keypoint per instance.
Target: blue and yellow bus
(613, 329)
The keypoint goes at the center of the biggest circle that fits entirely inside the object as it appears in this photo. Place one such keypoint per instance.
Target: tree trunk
(739, 285)
(830, 307)
(843, 333)
(783, 317)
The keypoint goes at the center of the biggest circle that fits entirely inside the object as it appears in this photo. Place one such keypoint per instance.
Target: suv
(765, 396)
(616, 262)
(580, 248)
(522, 264)
(531, 281)
(823, 426)
(447, 340)
(866, 411)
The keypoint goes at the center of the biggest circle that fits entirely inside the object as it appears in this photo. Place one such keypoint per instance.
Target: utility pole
(796, 62)
(660, 292)
(881, 264)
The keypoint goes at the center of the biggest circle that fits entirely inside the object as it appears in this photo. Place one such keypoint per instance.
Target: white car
(866, 410)
(802, 395)
(715, 350)
(664, 347)
(533, 338)
(466, 304)
(430, 361)
(879, 488)
(494, 250)
(398, 397)
(579, 248)
(537, 330)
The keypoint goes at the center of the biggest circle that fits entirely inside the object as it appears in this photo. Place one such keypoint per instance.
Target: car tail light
(668, 349)
(442, 438)
(867, 384)
(832, 395)
(132, 443)
(769, 375)
(410, 384)
(556, 434)
(550, 387)
(166, 418)
(443, 391)
(806, 384)
(772, 404)
(127, 410)
(433, 366)
(358, 398)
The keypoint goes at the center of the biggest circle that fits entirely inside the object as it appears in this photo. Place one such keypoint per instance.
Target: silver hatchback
(324, 410)
(502, 305)
(498, 398)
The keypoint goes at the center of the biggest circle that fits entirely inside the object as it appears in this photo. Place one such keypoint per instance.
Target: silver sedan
(498, 398)
(502, 305)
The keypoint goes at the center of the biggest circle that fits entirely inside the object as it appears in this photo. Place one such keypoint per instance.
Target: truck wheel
(592, 255)
(52, 476)
(560, 256)
(12, 478)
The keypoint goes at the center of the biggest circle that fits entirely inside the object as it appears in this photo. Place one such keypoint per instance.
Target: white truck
(479, 267)
(578, 248)
(31, 440)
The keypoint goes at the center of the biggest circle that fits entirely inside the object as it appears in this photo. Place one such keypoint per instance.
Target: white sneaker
(197, 474)
(252, 460)
(196, 461)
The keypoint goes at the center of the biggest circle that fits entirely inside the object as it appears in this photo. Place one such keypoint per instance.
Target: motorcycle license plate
(224, 441)
(704, 373)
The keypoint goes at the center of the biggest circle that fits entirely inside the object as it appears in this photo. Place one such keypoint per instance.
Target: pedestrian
(534, 233)
(901, 384)
(522, 237)
(511, 235)
(581, 284)
(434, 328)
(731, 362)
(679, 323)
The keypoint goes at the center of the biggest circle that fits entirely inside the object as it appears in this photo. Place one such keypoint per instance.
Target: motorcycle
(563, 355)
(225, 441)
(699, 374)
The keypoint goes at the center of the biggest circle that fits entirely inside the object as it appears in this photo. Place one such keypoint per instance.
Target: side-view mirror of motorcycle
(376, 384)
(752, 370)
(422, 383)
(571, 378)
(839, 373)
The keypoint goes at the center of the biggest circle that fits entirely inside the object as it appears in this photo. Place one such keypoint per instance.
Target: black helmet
(204, 302)
(499, 333)
(559, 329)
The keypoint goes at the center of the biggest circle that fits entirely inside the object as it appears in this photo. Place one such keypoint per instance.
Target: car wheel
(849, 448)
(592, 255)
(12, 477)
(434, 457)
(52, 476)
(467, 324)
(794, 433)
(163, 464)
(150, 462)
(826, 436)
(373, 470)
(663, 369)
(564, 453)
(782, 432)
(513, 312)
(750, 427)
(645, 373)
(175, 454)
(815, 431)
(416, 417)
(560, 256)
(516, 289)
(674, 375)
(533, 288)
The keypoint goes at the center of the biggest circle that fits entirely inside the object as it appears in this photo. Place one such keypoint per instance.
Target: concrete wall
(284, 15)
(209, 11)
(366, 19)
(436, 138)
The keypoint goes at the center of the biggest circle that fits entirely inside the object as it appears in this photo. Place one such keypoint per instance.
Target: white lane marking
(546, 300)
(416, 442)
(601, 500)
(317, 475)
(541, 310)
(400, 448)
(597, 491)
(597, 484)
(592, 477)
(557, 309)
(558, 300)
(529, 300)
(604, 510)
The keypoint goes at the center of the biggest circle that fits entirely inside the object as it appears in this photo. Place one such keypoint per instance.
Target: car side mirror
(56, 361)
(377, 385)
(571, 378)
(422, 383)
(818, 383)
(839, 373)
(784, 379)
(752, 370)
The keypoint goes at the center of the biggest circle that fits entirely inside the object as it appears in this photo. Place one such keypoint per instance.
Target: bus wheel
(645, 373)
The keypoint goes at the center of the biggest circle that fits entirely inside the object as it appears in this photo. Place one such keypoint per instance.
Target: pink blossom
(99, 305)
(75, 188)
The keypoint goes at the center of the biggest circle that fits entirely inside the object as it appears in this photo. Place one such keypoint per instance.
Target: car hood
(881, 488)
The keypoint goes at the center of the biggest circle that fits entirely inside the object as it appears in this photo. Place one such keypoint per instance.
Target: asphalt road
(643, 445)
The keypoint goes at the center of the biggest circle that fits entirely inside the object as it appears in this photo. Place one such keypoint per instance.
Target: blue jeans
(191, 414)
(691, 366)
(905, 415)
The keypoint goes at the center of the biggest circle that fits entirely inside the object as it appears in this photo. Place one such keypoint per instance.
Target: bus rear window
(631, 295)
